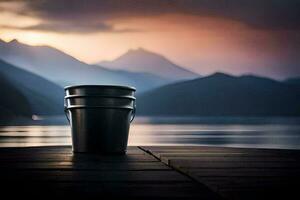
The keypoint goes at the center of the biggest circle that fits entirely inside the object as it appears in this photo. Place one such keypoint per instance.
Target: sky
(259, 37)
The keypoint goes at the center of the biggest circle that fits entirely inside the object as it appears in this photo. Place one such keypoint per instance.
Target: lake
(274, 132)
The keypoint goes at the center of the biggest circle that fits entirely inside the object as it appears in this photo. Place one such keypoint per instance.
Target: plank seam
(194, 180)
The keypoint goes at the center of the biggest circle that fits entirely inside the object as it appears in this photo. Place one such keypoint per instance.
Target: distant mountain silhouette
(141, 60)
(44, 97)
(144, 81)
(222, 95)
(13, 103)
(293, 81)
(63, 69)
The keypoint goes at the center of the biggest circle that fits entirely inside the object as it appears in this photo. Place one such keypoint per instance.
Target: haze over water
(283, 133)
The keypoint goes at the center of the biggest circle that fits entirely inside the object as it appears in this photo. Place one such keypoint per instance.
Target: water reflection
(259, 135)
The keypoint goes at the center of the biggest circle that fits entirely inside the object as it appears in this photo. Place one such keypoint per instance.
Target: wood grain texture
(52, 172)
(236, 173)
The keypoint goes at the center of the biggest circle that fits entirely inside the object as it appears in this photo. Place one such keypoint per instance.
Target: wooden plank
(247, 182)
(54, 149)
(125, 166)
(245, 159)
(244, 172)
(78, 158)
(100, 176)
(208, 149)
(111, 190)
(57, 172)
(200, 164)
(222, 154)
(236, 173)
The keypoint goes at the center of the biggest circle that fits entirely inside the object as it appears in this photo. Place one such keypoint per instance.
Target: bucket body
(99, 90)
(100, 117)
(99, 129)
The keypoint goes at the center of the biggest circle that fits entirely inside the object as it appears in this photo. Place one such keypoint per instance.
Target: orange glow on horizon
(202, 44)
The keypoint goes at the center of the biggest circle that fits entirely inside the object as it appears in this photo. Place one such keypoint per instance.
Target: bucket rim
(102, 86)
(100, 96)
(105, 107)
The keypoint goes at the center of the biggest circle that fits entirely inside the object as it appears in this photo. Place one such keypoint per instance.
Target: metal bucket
(100, 90)
(116, 101)
(99, 123)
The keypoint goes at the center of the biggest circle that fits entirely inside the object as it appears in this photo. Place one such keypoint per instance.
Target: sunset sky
(238, 37)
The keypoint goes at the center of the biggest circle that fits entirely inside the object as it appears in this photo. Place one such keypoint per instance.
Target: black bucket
(99, 123)
(100, 90)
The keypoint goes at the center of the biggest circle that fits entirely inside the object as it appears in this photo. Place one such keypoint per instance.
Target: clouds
(70, 27)
(79, 16)
(96, 15)
(234, 36)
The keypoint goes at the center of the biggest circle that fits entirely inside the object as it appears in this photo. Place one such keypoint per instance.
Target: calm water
(232, 132)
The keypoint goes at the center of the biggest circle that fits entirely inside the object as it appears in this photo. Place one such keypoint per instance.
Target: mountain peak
(218, 96)
(14, 41)
(139, 50)
(221, 75)
(143, 60)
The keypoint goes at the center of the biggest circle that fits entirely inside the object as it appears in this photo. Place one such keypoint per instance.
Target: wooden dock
(151, 173)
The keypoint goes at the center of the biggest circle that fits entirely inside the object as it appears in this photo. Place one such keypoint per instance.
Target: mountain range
(63, 69)
(42, 96)
(222, 95)
(13, 103)
(142, 60)
(32, 85)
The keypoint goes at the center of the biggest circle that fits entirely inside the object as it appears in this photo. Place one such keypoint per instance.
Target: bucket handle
(66, 111)
(67, 114)
(132, 115)
(133, 112)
